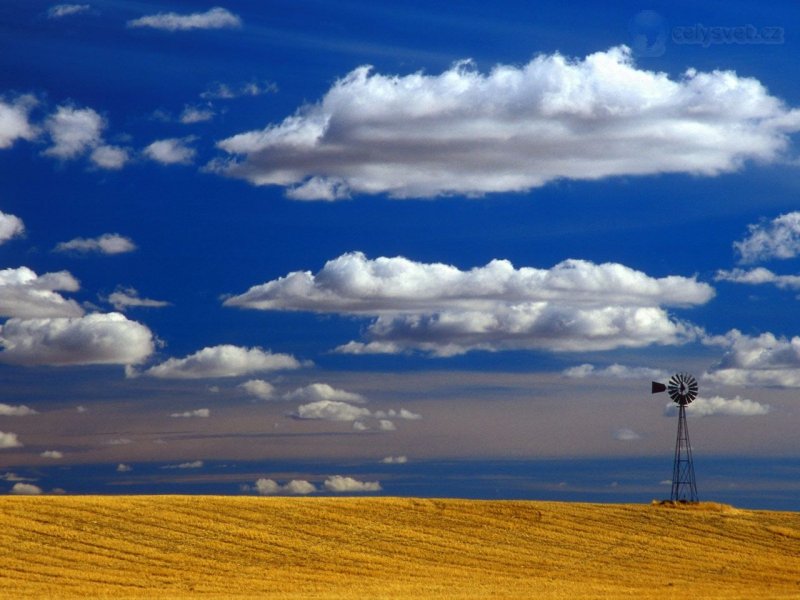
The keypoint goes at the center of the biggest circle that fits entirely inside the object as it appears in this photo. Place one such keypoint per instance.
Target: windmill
(682, 388)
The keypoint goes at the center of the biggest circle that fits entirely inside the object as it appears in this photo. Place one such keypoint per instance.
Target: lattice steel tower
(682, 388)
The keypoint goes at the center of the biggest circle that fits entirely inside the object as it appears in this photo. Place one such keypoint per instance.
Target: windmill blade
(658, 388)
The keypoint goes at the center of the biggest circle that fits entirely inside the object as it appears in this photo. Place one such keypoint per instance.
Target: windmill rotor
(682, 388)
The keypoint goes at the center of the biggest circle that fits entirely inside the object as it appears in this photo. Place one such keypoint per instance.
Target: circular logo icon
(648, 31)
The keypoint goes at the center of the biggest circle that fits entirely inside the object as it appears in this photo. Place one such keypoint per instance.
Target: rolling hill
(182, 546)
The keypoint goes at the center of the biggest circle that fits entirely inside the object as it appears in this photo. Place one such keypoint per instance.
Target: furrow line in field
(83, 536)
(73, 577)
(166, 533)
(83, 547)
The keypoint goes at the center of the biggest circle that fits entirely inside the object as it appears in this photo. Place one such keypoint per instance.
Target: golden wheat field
(210, 546)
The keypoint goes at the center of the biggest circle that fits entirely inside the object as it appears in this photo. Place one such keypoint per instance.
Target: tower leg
(684, 488)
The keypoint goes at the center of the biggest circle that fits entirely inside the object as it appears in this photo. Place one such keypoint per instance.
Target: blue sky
(287, 241)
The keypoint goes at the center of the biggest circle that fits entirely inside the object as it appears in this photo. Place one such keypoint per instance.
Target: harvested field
(192, 546)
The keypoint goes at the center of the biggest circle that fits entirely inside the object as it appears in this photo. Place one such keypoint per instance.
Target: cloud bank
(763, 360)
(717, 405)
(512, 129)
(575, 306)
(615, 371)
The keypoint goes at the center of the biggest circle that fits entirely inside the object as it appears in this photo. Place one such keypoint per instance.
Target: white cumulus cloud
(296, 487)
(7, 410)
(11, 226)
(397, 414)
(59, 11)
(225, 360)
(123, 468)
(258, 388)
(9, 476)
(215, 18)
(25, 294)
(55, 454)
(108, 243)
(340, 484)
(26, 489)
(512, 129)
(354, 284)
(625, 434)
(202, 413)
(73, 131)
(395, 460)
(779, 238)
(109, 157)
(717, 405)
(9, 440)
(762, 360)
(124, 298)
(171, 151)
(322, 391)
(119, 441)
(195, 464)
(92, 339)
(331, 410)
(196, 114)
(336, 410)
(14, 123)
(574, 306)
(759, 276)
(226, 91)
